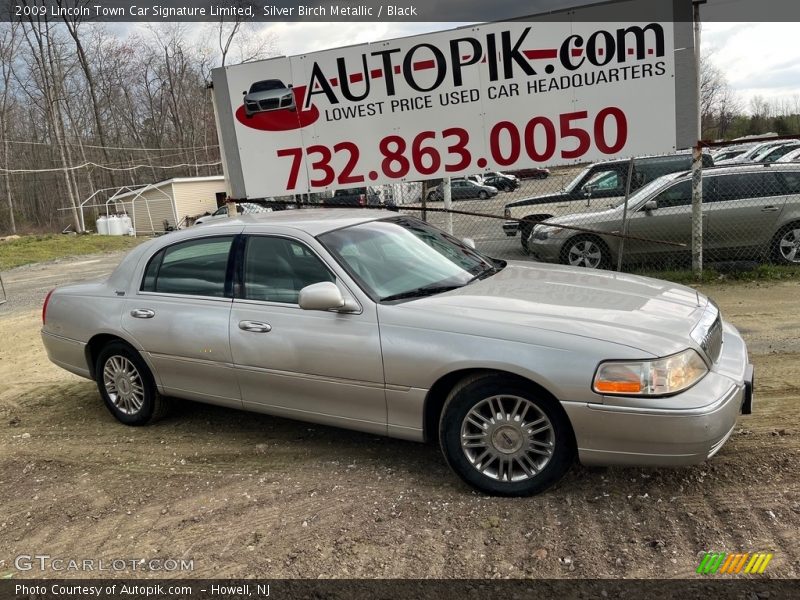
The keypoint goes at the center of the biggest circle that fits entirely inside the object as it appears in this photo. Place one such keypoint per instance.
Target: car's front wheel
(127, 386)
(586, 251)
(483, 195)
(505, 438)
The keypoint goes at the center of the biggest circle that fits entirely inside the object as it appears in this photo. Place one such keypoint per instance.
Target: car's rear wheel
(786, 247)
(127, 386)
(505, 438)
(586, 251)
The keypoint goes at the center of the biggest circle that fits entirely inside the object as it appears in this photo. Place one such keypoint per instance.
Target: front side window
(679, 194)
(276, 269)
(402, 257)
(195, 268)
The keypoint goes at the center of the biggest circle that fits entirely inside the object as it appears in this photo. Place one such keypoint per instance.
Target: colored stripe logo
(723, 563)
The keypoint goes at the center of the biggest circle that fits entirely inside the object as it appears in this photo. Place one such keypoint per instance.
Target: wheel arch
(437, 396)
(100, 340)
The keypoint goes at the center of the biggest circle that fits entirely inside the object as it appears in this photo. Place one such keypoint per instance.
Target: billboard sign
(487, 97)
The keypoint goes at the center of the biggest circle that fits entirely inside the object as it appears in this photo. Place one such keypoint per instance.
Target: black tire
(525, 230)
(512, 480)
(595, 253)
(483, 195)
(133, 399)
(781, 252)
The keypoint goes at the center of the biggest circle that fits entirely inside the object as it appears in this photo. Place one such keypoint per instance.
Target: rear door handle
(770, 209)
(255, 326)
(143, 313)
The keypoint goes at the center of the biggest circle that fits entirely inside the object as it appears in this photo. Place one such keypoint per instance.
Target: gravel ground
(247, 495)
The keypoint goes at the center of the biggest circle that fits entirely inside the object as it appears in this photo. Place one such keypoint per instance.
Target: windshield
(265, 86)
(645, 191)
(402, 257)
(574, 183)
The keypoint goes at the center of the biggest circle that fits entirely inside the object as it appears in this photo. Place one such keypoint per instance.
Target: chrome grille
(712, 342)
(270, 104)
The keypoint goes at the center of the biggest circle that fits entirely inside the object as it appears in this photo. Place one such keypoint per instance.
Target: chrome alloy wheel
(123, 384)
(585, 253)
(507, 438)
(789, 246)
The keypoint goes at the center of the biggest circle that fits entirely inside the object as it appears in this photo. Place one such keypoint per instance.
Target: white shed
(171, 201)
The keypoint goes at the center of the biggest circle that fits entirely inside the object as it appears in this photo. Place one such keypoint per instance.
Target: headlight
(507, 213)
(658, 377)
(542, 232)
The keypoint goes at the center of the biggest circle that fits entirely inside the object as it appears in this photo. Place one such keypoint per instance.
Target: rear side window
(792, 181)
(739, 186)
(195, 268)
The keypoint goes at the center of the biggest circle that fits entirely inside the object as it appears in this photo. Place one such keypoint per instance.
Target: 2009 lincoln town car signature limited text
(382, 323)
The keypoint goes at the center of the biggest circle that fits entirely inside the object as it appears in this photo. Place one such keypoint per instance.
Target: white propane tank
(127, 225)
(114, 225)
(102, 225)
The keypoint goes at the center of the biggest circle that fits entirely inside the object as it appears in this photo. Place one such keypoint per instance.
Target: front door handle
(143, 313)
(255, 326)
(770, 209)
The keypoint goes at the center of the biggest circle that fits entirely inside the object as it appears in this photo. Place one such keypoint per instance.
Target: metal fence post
(697, 210)
(448, 204)
(697, 160)
(625, 215)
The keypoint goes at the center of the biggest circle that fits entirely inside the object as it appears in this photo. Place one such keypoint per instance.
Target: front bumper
(547, 250)
(511, 228)
(631, 435)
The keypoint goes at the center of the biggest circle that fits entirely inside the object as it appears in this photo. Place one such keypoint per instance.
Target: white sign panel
(491, 97)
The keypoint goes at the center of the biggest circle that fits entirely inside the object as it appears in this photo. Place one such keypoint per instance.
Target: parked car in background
(362, 196)
(241, 208)
(595, 188)
(501, 181)
(463, 189)
(268, 95)
(750, 154)
(530, 173)
(791, 156)
(377, 322)
(750, 211)
(730, 152)
(777, 152)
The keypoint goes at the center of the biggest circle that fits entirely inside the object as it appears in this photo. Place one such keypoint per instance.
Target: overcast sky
(757, 58)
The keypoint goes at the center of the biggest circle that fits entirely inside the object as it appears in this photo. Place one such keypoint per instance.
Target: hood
(545, 199)
(650, 315)
(584, 219)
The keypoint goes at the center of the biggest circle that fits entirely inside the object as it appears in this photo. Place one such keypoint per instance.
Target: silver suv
(748, 211)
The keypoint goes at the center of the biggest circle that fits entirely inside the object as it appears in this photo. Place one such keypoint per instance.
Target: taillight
(362, 199)
(44, 306)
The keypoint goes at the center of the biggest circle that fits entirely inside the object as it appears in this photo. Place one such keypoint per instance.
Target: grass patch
(763, 272)
(40, 248)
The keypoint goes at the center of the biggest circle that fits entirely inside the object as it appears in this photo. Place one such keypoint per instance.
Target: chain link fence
(578, 214)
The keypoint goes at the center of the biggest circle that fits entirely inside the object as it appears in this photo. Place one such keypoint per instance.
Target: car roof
(314, 221)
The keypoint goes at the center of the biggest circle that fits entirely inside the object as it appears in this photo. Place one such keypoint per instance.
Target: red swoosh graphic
(283, 119)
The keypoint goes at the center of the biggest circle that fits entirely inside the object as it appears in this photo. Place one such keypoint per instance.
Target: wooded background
(88, 106)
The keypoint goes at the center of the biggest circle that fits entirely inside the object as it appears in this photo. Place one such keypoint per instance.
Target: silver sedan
(381, 323)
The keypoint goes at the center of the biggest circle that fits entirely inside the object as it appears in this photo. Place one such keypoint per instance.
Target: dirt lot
(246, 495)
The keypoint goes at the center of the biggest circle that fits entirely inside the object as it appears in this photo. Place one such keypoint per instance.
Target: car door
(741, 210)
(321, 366)
(180, 316)
(670, 222)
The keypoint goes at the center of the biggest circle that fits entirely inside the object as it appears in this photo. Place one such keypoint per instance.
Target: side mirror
(321, 296)
(244, 93)
(290, 86)
(650, 205)
(469, 242)
(589, 188)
